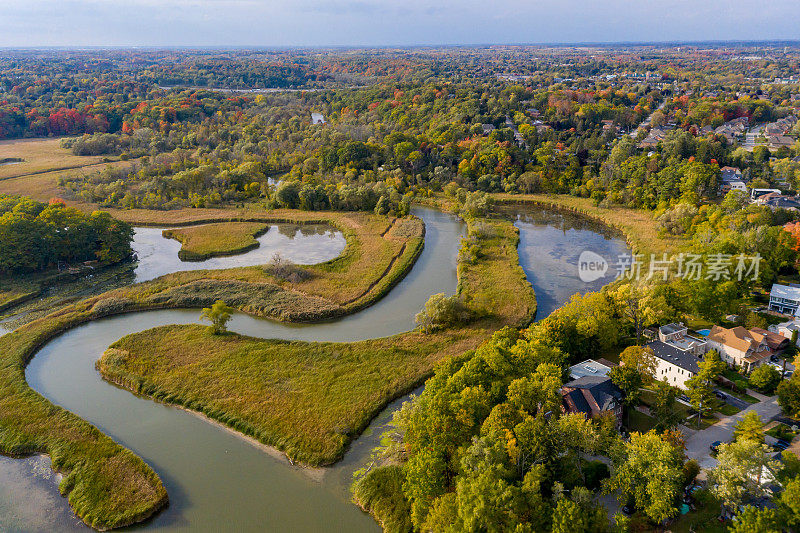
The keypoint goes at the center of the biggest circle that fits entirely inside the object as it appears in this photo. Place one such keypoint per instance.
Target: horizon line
(556, 44)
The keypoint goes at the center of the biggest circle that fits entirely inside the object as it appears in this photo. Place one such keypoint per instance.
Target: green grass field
(212, 240)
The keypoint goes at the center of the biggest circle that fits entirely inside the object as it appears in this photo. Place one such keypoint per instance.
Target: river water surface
(218, 481)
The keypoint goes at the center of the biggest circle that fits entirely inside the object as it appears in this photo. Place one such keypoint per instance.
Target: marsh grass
(311, 399)
(214, 240)
(307, 399)
(107, 485)
(41, 155)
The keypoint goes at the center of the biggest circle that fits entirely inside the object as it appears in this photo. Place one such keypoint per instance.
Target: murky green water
(216, 480)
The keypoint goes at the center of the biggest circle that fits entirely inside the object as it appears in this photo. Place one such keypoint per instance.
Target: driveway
(699, 442)
(732, 400)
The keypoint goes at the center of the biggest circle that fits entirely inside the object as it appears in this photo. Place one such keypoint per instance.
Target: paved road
(698, 442)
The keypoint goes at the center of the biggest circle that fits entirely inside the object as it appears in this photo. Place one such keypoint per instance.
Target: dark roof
(577, 403)
(600, 389)
(670, 354)
(784, 201)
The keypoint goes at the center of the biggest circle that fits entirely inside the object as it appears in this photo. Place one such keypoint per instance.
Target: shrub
(219, 314)
(690, 471)
(442, 312)
(481, 230)
(740, 384)
(469, 252)
(110, 306)
(765, 378)
(286, 270)
(476, 204)
(789, 396)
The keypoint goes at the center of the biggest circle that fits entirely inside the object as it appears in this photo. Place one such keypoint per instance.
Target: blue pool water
(704, 332)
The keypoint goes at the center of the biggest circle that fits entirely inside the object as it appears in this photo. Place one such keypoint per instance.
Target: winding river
(219, 481)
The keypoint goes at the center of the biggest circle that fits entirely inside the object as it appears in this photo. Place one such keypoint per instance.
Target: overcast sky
(26, 23)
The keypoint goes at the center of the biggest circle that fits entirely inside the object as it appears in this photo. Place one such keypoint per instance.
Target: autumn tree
(700, 387)
(648, 470)
(219, 314)
(739, 474)
(750, 427)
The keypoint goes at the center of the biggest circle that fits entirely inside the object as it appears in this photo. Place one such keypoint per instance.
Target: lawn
(212, 240)
(704, 519)
(638, 421)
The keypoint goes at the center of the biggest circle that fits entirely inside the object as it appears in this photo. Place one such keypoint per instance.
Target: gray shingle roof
(670, 354)
(601, 389)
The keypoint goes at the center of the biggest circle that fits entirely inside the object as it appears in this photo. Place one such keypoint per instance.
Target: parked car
(774, 359)
(719, 394)
(684, 398)
(715, 445)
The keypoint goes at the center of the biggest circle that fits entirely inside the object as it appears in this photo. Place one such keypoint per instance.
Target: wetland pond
(215, 479)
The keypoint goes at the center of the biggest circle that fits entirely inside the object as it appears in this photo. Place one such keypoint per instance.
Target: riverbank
(311, 399)
(108, 486)
(637, 225)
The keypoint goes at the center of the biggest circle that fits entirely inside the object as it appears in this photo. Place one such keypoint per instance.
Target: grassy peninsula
(213, 240)
(311, 399)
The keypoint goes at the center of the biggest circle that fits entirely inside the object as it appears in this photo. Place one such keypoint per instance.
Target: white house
(784, 299)
(675, 366)
(676, 335)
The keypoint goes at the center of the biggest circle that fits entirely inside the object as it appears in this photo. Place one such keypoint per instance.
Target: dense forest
(35, 236)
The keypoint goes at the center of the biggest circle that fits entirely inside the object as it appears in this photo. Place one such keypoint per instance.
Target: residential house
(776, 342)
(655, 136)
(734, 185)
(730, 173)
(775, 201)
(786, 329)
(733, 128)
(590, 367)
(755, 193)
(740, 347)
(593, 396)
(784, 298)
(608, 125)
(676, 334)
(675, 366)
(775, 142)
